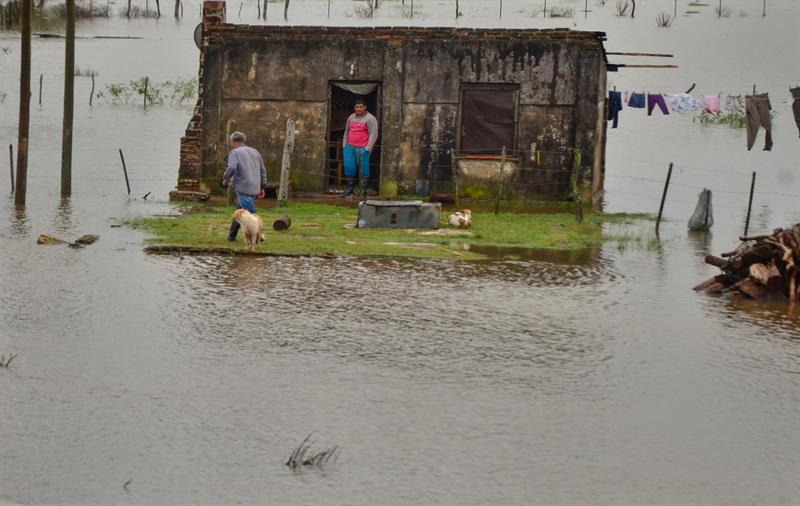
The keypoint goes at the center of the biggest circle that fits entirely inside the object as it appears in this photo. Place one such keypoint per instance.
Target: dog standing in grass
(253, 227)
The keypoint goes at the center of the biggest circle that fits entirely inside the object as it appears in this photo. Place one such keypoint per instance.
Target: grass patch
(324, 229)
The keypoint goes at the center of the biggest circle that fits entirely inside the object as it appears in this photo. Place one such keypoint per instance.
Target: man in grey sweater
(360, 134)
(247, 173)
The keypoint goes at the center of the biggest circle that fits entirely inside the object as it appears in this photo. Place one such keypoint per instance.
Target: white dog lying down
(460, 219)
(252, 226)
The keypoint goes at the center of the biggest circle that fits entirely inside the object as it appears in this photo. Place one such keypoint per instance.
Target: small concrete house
(540, 94)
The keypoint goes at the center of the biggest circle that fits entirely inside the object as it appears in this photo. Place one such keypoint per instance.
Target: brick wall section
(191, 150)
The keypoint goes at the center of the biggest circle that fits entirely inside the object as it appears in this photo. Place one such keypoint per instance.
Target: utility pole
(69, 103)
(24, 104)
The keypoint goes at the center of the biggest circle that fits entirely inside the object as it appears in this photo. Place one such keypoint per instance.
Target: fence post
(125, 172)
(41, 76)
(24, 105)
(500, 179)
(663, 197)
(11, 162)
(283, 190)
(573, 180)
(146, 82)
(454, 163)
(750, 203)
(69, 102)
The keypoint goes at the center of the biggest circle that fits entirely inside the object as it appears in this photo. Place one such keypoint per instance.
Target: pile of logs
(763, 266)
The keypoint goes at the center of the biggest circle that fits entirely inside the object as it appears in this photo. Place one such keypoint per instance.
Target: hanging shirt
(712, 104)
(683, 102)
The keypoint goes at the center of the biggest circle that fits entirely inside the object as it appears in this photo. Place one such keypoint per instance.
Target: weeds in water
(82, 11)
(301, 457)
(368, 10)
(723, 12)
(623, 7)
(87, 72)
(733, 119)
(558, 11)
(664, 20)
(5, 362)
(534, 12)
(137, 12)
(167, 92)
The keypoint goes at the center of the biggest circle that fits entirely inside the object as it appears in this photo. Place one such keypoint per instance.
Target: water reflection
(63, 219)
(18, 221)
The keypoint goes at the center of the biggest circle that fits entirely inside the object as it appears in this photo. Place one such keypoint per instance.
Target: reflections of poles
(158, 8)
(750, 203)
(125, 172)
(11, 164)
(146, 83)
(633, 8)
(69, 102)
(24, 104)
(91, 94)
(41, 76)
(663, 197)
(285, 10)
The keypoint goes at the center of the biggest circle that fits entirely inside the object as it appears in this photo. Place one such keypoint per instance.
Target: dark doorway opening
(343, 96)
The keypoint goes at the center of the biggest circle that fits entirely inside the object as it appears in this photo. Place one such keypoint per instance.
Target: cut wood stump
(282, 223)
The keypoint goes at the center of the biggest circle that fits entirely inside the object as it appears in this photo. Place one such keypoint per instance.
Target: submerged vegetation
(324, 229)
(167, 92)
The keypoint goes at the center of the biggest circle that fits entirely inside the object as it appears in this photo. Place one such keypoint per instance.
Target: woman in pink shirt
(360, 134)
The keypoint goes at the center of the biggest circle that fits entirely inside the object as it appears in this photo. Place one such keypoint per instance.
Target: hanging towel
(712, 104)
(614, 107)
(734, 103)
(758, 107)
(796, 105)
(637, 100)
(683, 102)
(656, 99)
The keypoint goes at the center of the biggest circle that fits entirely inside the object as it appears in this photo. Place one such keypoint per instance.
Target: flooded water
(591, 378)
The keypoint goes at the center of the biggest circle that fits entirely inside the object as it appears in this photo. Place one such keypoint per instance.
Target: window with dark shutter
(488, 117)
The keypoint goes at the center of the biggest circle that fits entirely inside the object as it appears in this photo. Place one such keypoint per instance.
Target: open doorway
(343, 96)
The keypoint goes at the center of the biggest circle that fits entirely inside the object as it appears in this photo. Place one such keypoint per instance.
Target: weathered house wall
(260, 76)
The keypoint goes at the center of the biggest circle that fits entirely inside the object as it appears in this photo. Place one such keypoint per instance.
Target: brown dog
(252, 226)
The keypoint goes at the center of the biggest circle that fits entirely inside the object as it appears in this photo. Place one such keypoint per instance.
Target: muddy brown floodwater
(591, 378)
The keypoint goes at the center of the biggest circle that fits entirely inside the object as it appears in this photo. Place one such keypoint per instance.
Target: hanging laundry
(637, 100)
(712, 104)
(614, 107)
(734, 103)
(683, 102)
(796, 105)
(654, 99)
(758, 108)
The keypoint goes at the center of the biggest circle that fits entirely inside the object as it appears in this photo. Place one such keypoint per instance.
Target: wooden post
(586, 9)
(500, 179)
(663, 197)
(230, 196)
(573, 180)
(285, 10)
(764, 9)
(125, 171)
(158, 8)
(456, 9)
(41, 77)
(719, 9)
(258, 6)
(283, 189)
(178, 8)
(633, 9)
(750, 203)
(146, 83)
(454, 163)
(11, 164)
(501, 9)
(91, 95)
(412, 9)
(69, 102)
(675, 10)
(329, 9)
(129, 9)
(544, 13)
(24, 104)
